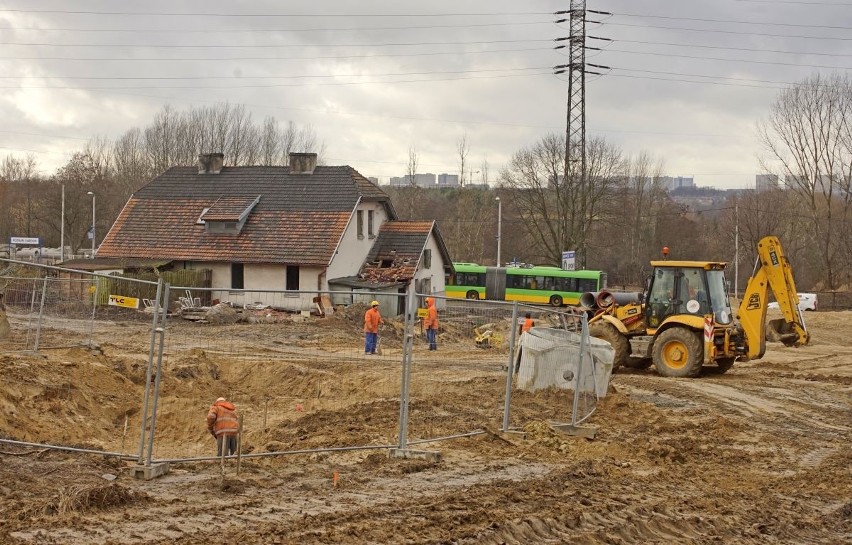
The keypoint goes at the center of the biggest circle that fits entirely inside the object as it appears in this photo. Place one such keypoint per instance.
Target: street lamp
(499, 226)
(93, 222)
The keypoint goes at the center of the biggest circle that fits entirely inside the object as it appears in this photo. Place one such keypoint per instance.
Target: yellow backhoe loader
(684, 321)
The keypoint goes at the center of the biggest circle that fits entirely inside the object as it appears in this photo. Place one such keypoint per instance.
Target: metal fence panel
(290, 361)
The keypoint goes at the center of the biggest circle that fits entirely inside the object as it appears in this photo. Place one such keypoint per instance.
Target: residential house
(293, 228)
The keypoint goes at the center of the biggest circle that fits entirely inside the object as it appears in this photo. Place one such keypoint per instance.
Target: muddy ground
(758, 455)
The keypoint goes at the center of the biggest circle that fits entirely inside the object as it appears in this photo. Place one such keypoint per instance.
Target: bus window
(515, 281)
(587, 284)
(547, 284)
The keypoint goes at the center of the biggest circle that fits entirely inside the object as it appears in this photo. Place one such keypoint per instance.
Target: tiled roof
(397, 250)
(298, 220)
(102, 263)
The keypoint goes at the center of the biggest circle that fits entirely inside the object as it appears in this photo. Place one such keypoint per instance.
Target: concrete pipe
(606, 299)
(589, 299)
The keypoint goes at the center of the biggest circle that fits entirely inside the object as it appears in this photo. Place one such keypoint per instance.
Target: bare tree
(808, 138)
(412, 165)
(559, 213)
(22, 171)
(463, 149)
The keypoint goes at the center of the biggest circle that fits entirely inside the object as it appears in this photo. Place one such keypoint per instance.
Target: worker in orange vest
(528, 324)
(372, 320)
(431, 323)
(222, 422)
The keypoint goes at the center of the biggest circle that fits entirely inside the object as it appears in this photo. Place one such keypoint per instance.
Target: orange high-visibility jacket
(372, 319)
(529, 323)
(222, 418)
(431, 320)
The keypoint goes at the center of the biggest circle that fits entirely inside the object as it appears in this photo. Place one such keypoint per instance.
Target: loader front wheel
(678, 353)
(607, 332)
(723, 365)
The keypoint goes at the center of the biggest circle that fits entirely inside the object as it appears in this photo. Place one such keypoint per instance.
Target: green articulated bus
(527, 284)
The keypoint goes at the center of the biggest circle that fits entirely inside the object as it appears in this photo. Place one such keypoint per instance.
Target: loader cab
(686, 288)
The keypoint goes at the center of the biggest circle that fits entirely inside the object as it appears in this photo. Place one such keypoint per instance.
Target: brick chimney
(210, 163)
(303, 163)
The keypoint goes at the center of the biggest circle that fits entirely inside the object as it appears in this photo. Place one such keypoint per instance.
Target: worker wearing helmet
(431, 323)
(372, 320)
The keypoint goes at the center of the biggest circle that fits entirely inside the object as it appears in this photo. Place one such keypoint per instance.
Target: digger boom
(772, 270)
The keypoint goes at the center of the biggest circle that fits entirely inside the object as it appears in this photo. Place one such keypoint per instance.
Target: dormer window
(228, 214)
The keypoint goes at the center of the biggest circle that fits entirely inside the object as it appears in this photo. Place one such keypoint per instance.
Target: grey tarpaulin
(551, 357)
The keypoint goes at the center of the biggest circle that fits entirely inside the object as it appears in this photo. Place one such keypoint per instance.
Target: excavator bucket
(782, 331)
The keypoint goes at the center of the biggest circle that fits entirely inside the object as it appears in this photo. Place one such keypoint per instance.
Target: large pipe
(589, 299)
(605, 299)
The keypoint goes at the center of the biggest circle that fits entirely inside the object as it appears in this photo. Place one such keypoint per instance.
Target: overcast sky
(689, 79)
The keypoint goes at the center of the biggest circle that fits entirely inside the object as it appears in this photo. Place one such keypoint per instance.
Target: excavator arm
(772, 270)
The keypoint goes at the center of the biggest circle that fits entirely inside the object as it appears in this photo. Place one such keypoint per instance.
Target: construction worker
(528, 324)
(372, 320)
(431, 323)
(223, 424)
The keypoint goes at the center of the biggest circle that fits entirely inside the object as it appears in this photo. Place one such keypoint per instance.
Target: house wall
(352, 250)
(262, 276)
(435, 273)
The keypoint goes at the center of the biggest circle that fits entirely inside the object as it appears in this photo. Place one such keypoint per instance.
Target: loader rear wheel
(678, 353)
(607, 332)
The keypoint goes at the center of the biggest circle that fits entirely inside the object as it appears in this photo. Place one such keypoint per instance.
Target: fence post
(510, 368)
(95, 295)
(584, 341)
(161, 331)
(408, 348)
(141, 456)
(40, 314)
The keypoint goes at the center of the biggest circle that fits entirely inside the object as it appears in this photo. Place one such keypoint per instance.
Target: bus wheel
(556, 300)
(472, 294)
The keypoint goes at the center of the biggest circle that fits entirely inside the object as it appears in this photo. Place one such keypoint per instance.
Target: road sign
(25, 240)
(123, 301)
(568, 260)
(422, 312)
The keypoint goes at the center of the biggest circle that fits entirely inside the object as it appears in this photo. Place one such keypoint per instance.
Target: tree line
(114, 169)
(616, 214)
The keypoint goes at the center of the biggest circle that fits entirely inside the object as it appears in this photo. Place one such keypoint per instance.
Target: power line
(265, 15)
(841, 4)
(752, 50)
(319, 76)
(727, 60)
(269, 30)
(315, 84)
(734, 32)
(321, 57)
(729, 21)
(269, 46)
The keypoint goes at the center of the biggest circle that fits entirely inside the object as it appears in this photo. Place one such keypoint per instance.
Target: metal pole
(499, 227)
(94, 233)
(584, 341)
(62, 229)
(95, 295)
(162, 337)
(507, 408)
(40, 314)
(737, 250)
(408, 347)
(141, 457)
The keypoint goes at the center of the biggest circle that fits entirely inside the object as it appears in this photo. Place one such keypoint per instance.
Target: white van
(807, 301)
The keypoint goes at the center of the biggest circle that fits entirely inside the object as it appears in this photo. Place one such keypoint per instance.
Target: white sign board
(568, 260)
(25, 240)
